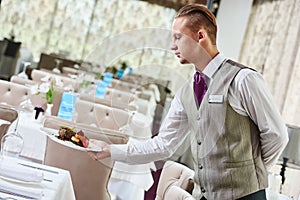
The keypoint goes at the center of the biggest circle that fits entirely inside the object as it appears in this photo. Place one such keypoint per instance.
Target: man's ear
(201, 34)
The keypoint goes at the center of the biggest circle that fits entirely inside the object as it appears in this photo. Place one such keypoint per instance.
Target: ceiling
(175, 4)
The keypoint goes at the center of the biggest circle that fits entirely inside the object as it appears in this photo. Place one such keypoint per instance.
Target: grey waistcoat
(226, 144)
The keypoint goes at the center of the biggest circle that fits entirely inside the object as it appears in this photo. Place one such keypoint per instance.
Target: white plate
(19, 181)
(52, 133)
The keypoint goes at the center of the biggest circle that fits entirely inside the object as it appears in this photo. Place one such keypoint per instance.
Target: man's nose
(173, 47)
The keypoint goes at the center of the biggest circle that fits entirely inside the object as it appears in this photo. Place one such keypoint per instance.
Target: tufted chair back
(85, 112)
(37, 75)
(21, 81)
(123, 85)
(175, 182)
(113, 98)
(102, 116)
(90, 178)
(12, 93)
(110, 117)
(9, 115)
(39, 100)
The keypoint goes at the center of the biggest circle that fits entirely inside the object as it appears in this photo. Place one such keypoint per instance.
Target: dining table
(21, 179)
(35, 145)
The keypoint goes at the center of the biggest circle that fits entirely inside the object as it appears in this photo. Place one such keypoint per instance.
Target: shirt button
(199, 142)
(202, 190)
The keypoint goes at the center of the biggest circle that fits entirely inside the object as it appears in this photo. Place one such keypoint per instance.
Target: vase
(48, 110)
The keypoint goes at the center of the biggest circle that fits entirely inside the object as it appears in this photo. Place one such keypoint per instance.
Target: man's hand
(105, 153)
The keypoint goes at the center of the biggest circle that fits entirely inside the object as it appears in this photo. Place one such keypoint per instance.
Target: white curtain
(86, 30)
(271, 46)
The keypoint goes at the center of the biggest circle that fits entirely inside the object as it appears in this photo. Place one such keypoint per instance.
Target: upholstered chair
(113, 98)
(110, 117)
(85, 112)
(89, 177)
(175, 182)
(37, 75)
(13, 94)
(69, 70)
(9, 115)
(123, 85)
(39, 100)
(21, 81)
(101, 116)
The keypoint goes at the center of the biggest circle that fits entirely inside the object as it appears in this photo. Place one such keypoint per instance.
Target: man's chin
(184, 61)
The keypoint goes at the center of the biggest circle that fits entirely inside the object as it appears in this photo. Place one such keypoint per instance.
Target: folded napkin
(15, 171)
(23, 191)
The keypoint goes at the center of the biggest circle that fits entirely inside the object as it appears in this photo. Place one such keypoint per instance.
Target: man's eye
(177, 37)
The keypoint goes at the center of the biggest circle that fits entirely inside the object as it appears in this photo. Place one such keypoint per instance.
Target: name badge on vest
(215, 98)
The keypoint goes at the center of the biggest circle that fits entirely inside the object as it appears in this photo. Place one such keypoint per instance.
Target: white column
(232, 18)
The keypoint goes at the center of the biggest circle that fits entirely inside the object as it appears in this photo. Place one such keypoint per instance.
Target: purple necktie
(199, 87)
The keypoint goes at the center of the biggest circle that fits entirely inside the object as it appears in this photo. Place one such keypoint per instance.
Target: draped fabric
(271, 45)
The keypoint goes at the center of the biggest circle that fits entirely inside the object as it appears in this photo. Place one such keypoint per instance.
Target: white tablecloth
(57, 183)
(141, 181)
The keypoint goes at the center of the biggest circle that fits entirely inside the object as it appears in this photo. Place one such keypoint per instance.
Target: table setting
(21, 179)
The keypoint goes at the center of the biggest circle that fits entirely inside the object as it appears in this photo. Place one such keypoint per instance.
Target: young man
(235, 129)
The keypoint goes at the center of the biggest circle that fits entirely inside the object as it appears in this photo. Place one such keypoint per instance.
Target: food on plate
(69, 134)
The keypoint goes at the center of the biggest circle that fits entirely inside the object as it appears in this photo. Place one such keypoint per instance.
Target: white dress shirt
(248, 96)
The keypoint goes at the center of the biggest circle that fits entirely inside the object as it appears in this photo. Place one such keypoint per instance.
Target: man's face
(185, 43)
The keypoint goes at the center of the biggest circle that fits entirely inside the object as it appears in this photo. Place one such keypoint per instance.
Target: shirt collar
(214, 65)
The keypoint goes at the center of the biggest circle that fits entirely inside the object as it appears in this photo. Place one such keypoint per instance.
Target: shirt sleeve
(172, 133)
(257, 102)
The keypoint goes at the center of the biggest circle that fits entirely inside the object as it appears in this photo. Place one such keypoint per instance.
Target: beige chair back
(12, 93)
(175, 182)
(123, 85)
(21, 81)
(102, 116)
(111, 118)
(37, 75)
(9, 115)
(69, 70)
(89, 177)
(40, 100)
(113, 98)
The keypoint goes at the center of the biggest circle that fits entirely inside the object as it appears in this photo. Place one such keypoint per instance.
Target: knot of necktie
(199, 86)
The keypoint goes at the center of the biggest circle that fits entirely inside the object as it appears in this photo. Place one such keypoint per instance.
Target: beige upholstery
(40, 100)
(69, 70)
(9, 115)
(21, 81)
(123, 85)
(113, 98)
(111, 118)
(102, 116)
(12, 93)
(37, 75)
(89, 177)
(175, 182)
